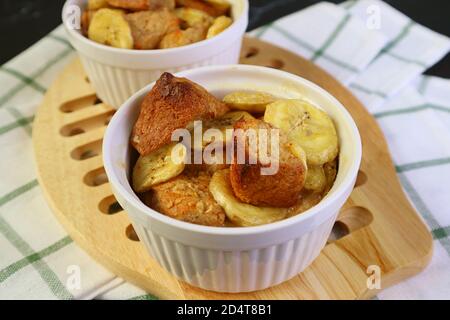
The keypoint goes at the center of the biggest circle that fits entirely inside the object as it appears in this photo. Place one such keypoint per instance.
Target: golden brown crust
(149, 27)
(173, 103)
(187, 198)
(179, 38)
(281, 189)
(139, 5)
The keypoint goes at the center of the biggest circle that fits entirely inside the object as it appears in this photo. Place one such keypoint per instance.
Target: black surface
(23, 22)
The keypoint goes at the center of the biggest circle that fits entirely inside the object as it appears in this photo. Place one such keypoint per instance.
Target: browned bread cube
(149, 27)
(179, 38)
(187, 198)
(172, 104)
(281, 189)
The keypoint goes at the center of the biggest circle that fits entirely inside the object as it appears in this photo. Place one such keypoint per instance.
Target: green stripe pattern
(30, 257)
(332, 37)
(145, 297)
(22, 122)
(412, 109)
(22, 263)
(35, 259)
(47, 274)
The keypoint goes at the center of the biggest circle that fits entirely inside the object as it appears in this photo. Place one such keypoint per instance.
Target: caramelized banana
(241, 214)
(109, 27)
(219, 25)
(315, 179)
(224, 123)
(249, 101)
(158, 167)
(308, 125)
(194, 17)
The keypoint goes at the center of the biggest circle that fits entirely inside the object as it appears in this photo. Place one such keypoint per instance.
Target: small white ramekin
(235, 259)
(116, 74)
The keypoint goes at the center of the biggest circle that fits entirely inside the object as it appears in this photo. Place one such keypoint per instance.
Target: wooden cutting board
(377, 226)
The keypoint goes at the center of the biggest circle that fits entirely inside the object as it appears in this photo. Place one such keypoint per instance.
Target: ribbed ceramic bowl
(118, 73)
(235, 259)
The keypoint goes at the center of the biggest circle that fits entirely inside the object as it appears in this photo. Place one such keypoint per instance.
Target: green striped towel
(381, 65)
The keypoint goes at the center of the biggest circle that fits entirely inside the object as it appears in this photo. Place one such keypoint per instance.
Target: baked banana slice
(194, 17)
(224, 123)
(297, 150)
(241, 214)
(315, 179)
(159, 166)
(308, 125)
(97, 4)
(179, 38)
(109, 27)
(219, 25)
(249, 101)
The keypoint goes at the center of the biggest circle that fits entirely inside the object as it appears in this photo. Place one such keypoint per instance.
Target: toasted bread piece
(179, 38)
(139, 5)
(239, 213)
(210, 9)
(280, 189)
(219, 25)
(149, 27)
(172, 104)
(187, 198)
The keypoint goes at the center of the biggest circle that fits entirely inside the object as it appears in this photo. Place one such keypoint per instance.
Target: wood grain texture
(384, 228)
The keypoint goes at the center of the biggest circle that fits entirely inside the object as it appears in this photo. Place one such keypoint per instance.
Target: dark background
(23, 22)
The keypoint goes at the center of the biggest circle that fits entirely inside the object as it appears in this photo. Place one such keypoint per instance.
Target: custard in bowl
(232, 224)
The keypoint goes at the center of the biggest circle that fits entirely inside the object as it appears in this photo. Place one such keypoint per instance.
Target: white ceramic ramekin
(116, 74)
(235, 259)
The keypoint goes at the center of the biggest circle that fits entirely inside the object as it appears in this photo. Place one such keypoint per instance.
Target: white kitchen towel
(418, 134)
(345, 39)
(411, 50)
(39, 260)
(328, 35)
